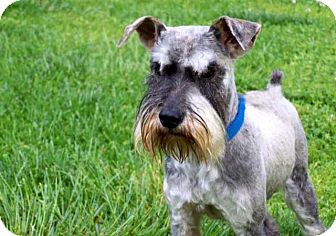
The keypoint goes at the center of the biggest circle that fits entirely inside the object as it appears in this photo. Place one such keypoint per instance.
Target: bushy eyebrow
(173, 65)
(213, 64)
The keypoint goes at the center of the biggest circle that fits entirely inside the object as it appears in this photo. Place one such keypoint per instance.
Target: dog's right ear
(148, 28)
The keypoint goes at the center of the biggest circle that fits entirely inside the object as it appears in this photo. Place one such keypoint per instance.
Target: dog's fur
(192, 80)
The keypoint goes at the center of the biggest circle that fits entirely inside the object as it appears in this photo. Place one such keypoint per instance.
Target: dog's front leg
(261, 225)
(185, 220)
(244, 207)
(185, 216)
(246, 220)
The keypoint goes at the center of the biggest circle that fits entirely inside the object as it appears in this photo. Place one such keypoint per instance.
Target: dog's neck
(231, 102)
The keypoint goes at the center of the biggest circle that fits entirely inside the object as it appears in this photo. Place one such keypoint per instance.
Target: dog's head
(191, 74)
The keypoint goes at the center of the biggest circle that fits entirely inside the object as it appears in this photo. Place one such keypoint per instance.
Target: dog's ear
(237, 36)
(148, 28)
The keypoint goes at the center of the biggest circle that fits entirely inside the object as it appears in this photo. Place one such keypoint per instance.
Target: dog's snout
(171, 118)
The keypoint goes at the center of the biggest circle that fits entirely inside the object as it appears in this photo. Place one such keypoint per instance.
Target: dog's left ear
(148, 28)
(237, 36)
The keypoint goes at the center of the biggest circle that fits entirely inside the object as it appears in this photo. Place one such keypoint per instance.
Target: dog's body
(190, 102)
(257, 163)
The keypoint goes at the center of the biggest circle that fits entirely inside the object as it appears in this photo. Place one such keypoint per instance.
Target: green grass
(68, 99)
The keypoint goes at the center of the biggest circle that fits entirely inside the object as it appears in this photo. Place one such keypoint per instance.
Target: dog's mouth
(190, 140)
(177, 144)
(174, 132)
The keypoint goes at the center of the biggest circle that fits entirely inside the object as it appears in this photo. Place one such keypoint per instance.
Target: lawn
(68, 99)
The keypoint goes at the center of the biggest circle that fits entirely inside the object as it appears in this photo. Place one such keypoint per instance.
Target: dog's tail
(275, 82)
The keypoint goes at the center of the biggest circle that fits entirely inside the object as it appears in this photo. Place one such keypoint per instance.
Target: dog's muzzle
(196, 133)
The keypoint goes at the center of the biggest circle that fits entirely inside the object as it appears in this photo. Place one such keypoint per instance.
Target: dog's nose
(171, 118)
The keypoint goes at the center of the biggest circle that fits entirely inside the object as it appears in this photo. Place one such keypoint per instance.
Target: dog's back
(280, 130)
(272, 100)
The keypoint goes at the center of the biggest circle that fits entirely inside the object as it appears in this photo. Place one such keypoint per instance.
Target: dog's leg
(299, 191)
(270, 227)
(245, 211)
(255, 227)
(185, 221)
(300, 197)
(259, 227)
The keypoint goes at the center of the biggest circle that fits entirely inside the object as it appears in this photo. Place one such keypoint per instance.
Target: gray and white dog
(190, 103)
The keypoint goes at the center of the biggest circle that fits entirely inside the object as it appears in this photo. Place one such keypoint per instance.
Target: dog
(227, 154)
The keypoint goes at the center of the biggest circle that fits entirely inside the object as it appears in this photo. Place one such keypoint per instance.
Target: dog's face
(182, 112)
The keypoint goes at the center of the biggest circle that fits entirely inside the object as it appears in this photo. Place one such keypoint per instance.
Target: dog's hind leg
(300, 195)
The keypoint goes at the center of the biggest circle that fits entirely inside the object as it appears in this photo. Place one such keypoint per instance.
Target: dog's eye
(155, 67)
(210, 71)
(190, 73)
(169, 69)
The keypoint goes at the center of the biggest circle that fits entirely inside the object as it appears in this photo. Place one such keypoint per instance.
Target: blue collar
(234, 127)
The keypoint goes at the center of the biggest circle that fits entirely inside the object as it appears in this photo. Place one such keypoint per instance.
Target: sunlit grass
(69, 97)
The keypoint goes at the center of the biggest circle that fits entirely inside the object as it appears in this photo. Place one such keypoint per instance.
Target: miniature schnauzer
(226, 153)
